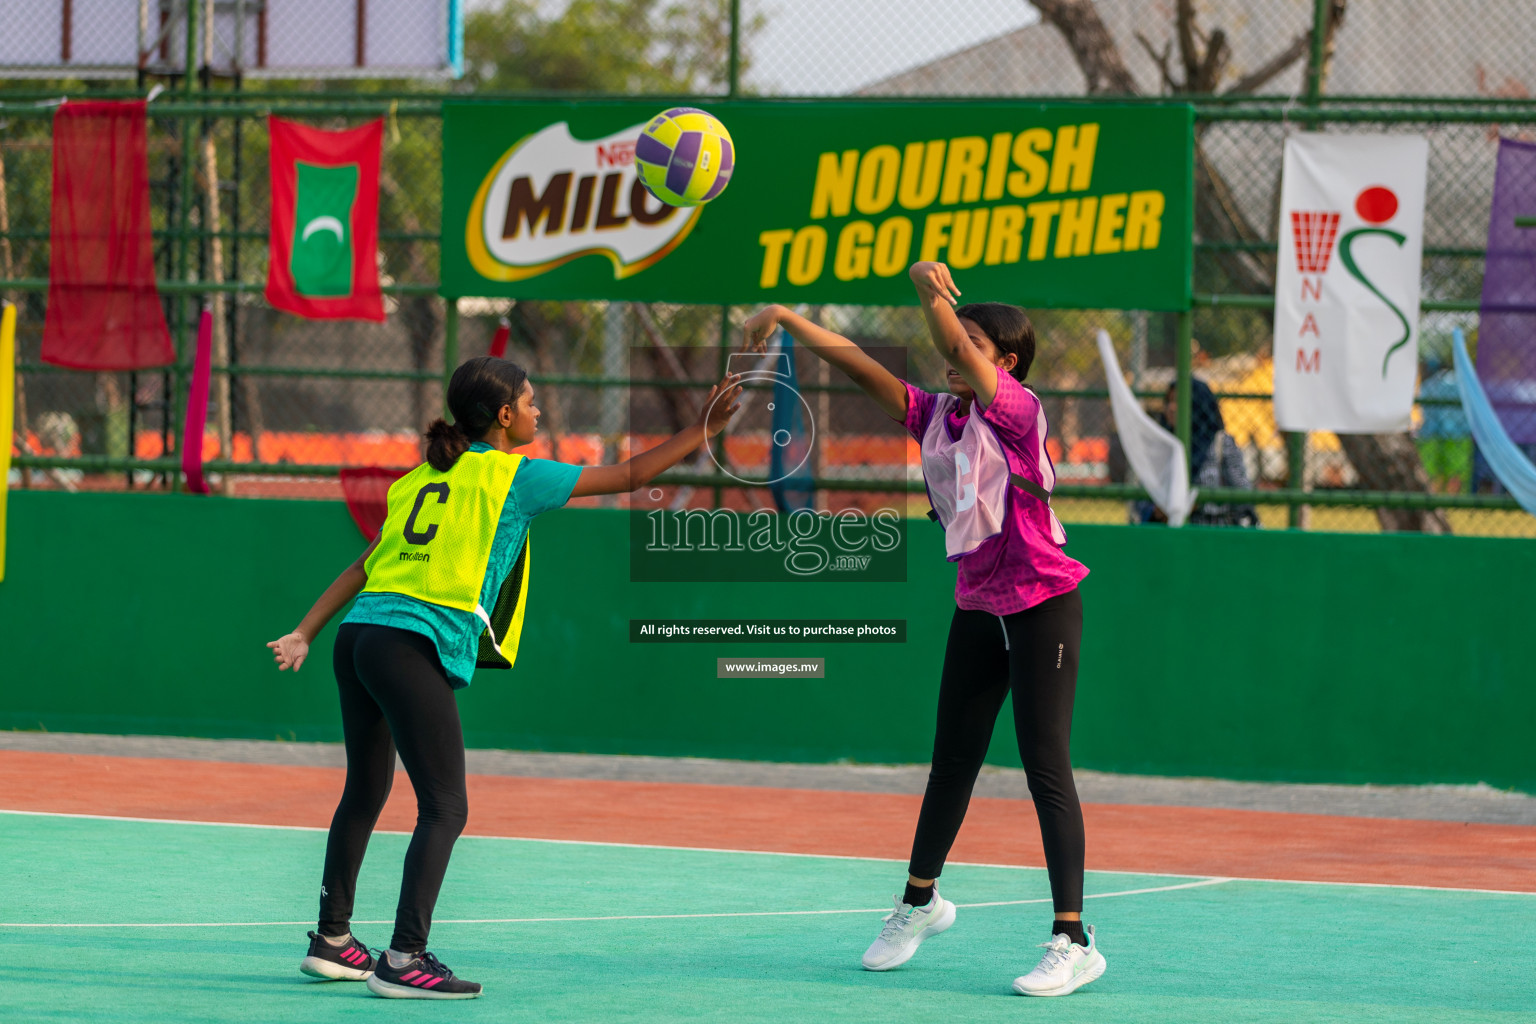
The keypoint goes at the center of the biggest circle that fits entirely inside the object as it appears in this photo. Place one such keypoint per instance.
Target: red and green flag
(325, 221)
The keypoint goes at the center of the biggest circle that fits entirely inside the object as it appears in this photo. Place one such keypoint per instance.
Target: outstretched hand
(289, 651)
(759, 327)
(933, 280)
(721, 404)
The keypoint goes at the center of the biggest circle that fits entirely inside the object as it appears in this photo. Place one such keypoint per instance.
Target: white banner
(1156, 455)
(1347, 288)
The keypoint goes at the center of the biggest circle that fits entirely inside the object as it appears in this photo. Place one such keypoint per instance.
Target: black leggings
(394, 692)
(1033, 653)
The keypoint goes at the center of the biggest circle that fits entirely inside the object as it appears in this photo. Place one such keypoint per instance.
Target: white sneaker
(905, 929)
(1065, 968)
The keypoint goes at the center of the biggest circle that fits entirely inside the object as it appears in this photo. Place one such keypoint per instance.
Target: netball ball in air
(685, 157)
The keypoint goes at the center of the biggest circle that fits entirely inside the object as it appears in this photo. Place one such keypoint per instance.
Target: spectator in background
(1215, 460)
(1444, 441)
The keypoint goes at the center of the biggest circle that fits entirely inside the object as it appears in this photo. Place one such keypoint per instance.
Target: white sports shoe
(905, 929)
(1065, 968)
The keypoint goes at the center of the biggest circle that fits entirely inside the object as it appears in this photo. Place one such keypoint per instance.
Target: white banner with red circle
(1347, 285)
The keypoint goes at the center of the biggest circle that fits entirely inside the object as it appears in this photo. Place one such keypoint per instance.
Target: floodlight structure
(240, 38)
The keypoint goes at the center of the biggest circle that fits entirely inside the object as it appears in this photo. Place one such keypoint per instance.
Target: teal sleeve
(543, 484)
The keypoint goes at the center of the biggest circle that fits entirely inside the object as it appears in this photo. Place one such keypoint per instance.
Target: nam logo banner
(325, 221)
(1041, 205)
(1347, 290)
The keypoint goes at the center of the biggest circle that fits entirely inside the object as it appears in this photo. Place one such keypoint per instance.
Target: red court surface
(1173, 840)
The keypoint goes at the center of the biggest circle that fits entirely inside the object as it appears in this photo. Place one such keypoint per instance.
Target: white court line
(786, 853)
(1219, 880)
(610, 917)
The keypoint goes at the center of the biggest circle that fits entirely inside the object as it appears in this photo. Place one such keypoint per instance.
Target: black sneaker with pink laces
(422, 977)
(348, 962)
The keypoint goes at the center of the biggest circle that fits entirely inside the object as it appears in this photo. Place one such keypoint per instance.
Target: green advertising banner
(1064, 205)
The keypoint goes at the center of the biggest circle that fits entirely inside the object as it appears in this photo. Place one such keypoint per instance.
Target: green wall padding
(1238, 654)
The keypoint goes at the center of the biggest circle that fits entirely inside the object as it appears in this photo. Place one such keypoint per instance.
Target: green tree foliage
(602, 46)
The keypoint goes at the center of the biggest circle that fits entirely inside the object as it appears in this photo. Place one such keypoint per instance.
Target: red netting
(1314, 234)
(365, 489)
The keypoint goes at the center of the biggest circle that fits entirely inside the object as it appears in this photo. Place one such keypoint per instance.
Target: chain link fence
(1407, 48)
(300, 398)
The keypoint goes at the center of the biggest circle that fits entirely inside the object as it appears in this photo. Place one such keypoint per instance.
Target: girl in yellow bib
(442, 589)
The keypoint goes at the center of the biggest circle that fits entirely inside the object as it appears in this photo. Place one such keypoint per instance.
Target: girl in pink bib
(1018, 618)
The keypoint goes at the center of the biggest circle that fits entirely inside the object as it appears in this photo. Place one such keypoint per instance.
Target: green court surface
(587, 932)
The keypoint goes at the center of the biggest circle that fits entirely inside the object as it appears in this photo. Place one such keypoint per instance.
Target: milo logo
(553, 198)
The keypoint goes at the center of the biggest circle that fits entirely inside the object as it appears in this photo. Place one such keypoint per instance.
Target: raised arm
(638, 470)
(290, 651)
(937, 294)
(879, 383)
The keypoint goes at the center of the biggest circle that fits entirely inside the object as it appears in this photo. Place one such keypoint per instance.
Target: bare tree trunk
(1390, 462)
(223, 425)
(681, 408)
(422, 322)
(221, 390)
(1094, 48)
(255, 422)
(544, 363)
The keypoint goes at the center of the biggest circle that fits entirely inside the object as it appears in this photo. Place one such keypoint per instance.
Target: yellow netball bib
(436, 542)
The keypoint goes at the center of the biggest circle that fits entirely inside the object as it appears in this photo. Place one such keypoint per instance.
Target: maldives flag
(325, 221)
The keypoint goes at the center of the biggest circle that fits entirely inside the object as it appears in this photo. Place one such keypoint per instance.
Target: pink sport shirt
(1021, 566)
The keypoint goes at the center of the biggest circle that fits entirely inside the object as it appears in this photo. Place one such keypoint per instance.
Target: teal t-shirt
(540, 485)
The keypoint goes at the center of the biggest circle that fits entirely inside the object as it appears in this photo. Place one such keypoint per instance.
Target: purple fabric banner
(1506, 339)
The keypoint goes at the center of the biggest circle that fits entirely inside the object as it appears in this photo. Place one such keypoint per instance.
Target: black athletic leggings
(1033, 653)
(394, 693)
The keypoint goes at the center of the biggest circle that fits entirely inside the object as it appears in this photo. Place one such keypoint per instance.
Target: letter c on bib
(412, 534)
(967, 496)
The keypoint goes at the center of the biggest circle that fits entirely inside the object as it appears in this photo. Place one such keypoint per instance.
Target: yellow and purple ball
(685, 157)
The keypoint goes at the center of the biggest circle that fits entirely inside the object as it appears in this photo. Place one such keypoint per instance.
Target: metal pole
(141, 58)
(450, 348)
(1183, 351)
(1296, 468)
(733, 71)
(232, 324)
(1296, 441)
(1319, 35)
(184, 255)
(238, 64)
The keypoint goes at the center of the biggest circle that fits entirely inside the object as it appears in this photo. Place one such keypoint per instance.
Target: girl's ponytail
(445, 443)
(476, 393)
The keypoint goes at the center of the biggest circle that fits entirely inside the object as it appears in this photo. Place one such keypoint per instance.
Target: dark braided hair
(1008, 327)
(476, 392)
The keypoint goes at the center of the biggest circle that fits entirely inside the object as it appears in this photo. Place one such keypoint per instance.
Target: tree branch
(1097, 55)
(1277, 65)
(1217, 53)
(1189, 51)
(1160, 59)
